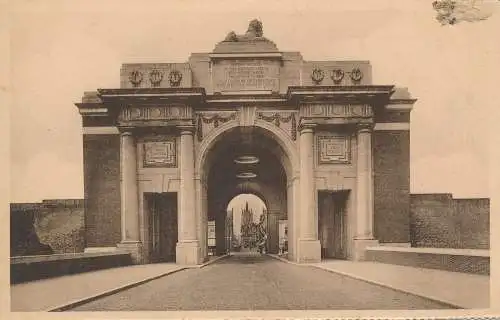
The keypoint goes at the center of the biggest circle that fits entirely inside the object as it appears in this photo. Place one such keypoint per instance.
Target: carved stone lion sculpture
(254, 31)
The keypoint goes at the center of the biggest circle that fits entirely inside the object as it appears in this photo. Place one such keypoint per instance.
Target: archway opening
(247, 161)
(246, 223)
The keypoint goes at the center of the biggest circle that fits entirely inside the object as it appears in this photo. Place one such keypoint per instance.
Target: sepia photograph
(265, 158)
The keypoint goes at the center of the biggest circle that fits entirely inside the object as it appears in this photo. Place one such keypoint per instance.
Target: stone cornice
(92, 109)
(321, 90)
(400, 105)
(192, 95)
(295, 94)
(402, 101)
(302, 94)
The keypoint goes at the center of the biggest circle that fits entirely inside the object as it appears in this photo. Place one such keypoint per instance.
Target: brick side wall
(473, 217)
(101, 160)
(391, 167)
(438, 220)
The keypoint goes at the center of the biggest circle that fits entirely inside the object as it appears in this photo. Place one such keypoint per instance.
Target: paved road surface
(254, 282)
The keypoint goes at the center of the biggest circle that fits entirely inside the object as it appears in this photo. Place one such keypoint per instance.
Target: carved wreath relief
(337, 75)
(317, 75)
(174, 78)
(334, 149)
(135, 77)
(155, 77)
(356, 75)
(160, 153)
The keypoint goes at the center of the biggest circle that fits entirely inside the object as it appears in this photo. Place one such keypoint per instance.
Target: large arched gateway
(325, 149)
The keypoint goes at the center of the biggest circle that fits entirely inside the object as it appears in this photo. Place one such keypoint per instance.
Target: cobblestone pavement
(255, 282)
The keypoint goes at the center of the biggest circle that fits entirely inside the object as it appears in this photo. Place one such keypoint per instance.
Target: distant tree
(261, 233)
(450, 12)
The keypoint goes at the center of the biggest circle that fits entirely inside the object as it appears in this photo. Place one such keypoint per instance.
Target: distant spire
(246, 206)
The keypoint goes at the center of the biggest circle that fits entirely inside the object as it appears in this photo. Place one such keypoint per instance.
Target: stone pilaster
(309, 248)
(220, 232)
(188, 246)
(129, 198)
(273, 238)
(364, 192)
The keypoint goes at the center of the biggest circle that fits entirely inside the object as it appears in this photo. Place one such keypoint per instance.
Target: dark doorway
(332, 224)
(162, 226)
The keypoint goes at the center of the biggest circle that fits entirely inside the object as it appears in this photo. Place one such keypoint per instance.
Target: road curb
(385, 285)
(79, 302)
(210, 262)
(381, 284)
(286, 260)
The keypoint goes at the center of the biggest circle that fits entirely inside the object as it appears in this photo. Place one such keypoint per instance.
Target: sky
(59, 49)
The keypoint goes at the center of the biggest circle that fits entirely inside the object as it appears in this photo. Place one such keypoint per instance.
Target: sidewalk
(463, 290)
(60, 292)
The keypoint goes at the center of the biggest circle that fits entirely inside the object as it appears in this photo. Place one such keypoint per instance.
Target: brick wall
(473, 222)
(438, 220)
(53, 226)
(391, 167)
(101, 160)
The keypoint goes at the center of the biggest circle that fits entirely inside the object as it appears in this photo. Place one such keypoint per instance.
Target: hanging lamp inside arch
(246, 160)
(246, 175)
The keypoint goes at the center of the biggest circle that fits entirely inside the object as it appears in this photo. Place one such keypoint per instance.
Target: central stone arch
(276, 183)
(278, 134)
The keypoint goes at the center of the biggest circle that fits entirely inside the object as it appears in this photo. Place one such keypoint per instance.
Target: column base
(134, 248)
(309, 251)
(188, 253)
(359, 249)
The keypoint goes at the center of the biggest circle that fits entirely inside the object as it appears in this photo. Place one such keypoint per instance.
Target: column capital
(365, 127)
(126, 131)
(306, 127)
(186, 129)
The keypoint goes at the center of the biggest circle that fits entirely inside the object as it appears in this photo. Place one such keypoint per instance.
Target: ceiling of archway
(224, 170)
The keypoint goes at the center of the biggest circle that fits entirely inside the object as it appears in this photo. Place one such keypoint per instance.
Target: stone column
(309, 248)
(364, 192)
(129, 198)
(188, 247)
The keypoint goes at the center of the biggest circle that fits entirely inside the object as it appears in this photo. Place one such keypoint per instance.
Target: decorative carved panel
(206, 122)
(285, 120)
(334, 149)
(167, 112)
(160, 153)
(335, 111)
